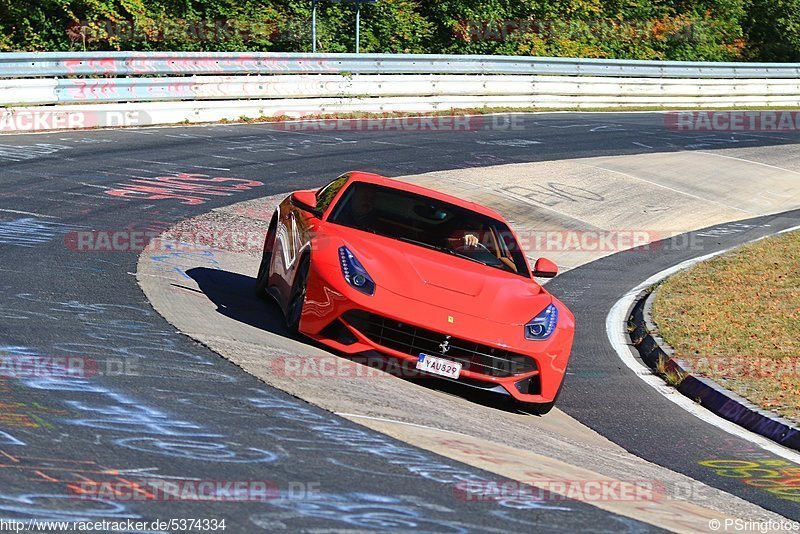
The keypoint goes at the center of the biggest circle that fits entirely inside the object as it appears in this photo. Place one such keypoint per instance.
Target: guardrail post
(313, 26)
(358, 24)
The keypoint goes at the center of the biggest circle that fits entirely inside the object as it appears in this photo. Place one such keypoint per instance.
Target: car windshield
(429, 223)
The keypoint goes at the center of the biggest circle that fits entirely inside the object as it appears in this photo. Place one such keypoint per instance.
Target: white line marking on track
(29, 213)
(181, 165)
(747, 161)
(140, 170)
(615, 330)
(99, 186)
(155, 162)
(674, 190)
(210, 168)
(641, 145)
(394, 144)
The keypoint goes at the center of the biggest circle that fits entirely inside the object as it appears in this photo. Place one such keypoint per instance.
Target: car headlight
(354, 272)
(543, 325)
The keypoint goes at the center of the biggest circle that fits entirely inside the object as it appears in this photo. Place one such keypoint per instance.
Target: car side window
(326, 195)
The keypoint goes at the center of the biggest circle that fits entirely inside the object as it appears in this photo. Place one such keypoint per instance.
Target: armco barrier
(209, 86)
(19, 65)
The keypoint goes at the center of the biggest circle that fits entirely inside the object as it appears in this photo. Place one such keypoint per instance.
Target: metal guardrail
(77, 90)
(62, 64)
(39, 91)
(66, 90)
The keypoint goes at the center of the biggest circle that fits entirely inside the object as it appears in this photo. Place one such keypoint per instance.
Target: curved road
(605, 395)
(144, 407)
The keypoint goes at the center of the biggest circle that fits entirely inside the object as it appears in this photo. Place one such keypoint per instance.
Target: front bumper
(493, 355)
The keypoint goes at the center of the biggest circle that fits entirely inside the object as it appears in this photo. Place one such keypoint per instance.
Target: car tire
(297, 297)
(539, 409)
(262, 280)
(544, 407)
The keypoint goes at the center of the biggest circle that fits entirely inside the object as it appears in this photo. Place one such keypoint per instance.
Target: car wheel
(538, 409)
(297, 297)
(266, 261)
(542, 408)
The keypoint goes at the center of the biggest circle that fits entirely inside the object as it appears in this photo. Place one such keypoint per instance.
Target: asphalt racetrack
(151, 408)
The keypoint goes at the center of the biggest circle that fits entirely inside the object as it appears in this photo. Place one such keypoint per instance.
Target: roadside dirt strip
(572, 211)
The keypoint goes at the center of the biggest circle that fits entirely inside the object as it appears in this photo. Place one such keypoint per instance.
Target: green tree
(643, 29)
(773, 30)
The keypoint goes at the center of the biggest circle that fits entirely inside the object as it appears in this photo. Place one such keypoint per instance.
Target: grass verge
(736, 319)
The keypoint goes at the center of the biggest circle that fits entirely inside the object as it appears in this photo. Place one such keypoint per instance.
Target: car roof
(377, 179)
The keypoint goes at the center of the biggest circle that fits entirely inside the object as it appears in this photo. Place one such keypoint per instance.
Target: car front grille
(410, 339)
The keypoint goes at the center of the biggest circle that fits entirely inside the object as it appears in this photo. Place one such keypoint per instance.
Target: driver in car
(464, 238)
(471, 240)
(468, 242)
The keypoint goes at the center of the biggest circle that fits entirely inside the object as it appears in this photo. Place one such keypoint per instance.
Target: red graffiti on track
(191, 189)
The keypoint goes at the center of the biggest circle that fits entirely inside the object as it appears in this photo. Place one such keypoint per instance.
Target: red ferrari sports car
(368, 263)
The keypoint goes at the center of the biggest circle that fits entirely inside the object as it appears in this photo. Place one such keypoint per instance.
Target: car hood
(450, 282)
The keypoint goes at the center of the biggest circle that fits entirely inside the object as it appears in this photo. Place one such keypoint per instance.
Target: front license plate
(438, 366)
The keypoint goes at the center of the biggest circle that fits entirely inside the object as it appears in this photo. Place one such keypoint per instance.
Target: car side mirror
(544, 268)
(306, 201)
